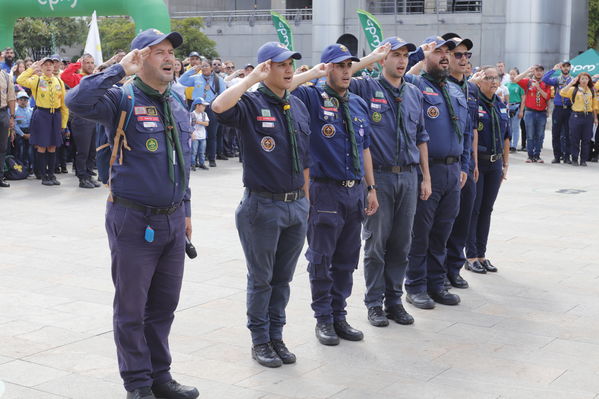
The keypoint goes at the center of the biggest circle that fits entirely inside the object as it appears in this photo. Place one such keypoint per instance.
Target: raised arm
(317, 72)
(375, 56)
(523, 74)
(227, 99)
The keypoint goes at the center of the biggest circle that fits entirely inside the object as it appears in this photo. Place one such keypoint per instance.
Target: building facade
(519, 32)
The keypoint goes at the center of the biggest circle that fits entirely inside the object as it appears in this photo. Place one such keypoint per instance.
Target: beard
(438, 73)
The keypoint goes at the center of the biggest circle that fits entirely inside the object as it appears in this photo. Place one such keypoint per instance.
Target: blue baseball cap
(196, 101)
(276, 52)
(336, 53)
(151, 37)
(439, 41)
(397, 42)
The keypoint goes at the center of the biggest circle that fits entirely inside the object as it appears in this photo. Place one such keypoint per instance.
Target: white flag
(93, 46)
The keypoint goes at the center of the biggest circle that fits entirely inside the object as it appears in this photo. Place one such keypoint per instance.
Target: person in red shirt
(83, 131)
(537, 95)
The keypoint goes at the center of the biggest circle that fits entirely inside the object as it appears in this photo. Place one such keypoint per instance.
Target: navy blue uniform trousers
(487, 188)
(560, 135)
(581, 133)
(334, 225)
(387, 237)
(272, 234)
(147, 279)
(459, 232)
(432, 226)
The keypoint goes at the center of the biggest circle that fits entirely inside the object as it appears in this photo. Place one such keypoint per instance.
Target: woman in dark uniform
(493, 155)
(49, 117)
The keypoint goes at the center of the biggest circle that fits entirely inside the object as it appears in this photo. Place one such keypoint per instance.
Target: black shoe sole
(354, 338)
(328, 341)
(399, 321)
(446, 303)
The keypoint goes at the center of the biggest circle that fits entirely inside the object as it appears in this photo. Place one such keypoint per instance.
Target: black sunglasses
(459, 55)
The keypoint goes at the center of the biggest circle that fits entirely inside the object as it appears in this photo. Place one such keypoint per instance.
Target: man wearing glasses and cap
(398, 146)
(274, 129)
(341, 163)
(148, 214)
(562, 109)
(449, 127)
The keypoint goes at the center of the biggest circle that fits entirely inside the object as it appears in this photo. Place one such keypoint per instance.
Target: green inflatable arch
(146, 13)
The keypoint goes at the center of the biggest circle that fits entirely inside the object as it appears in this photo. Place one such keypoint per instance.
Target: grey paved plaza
(529, 331)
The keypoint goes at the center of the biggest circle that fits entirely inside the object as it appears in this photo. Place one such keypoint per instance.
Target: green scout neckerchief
(495, 126)
(170, 125)
(454, 118)
(400, 129)
(344, 101)
(284, 102)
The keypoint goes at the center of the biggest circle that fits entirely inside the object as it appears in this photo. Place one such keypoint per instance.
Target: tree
(593, 34)
(38, 37)
(115, 34)
(193, 38)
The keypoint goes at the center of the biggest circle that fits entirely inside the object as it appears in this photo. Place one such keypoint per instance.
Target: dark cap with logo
(276, 52)
(397, 42)
(336, 53)
(439, 42)
(151, 37)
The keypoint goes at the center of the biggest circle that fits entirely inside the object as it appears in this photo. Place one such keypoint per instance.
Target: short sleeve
(235, 116)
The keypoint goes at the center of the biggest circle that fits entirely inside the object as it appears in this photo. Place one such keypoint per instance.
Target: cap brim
(286, 55)
(344, 58)
(449, 43)
(410, 46)
(174, 37)
(466, 42)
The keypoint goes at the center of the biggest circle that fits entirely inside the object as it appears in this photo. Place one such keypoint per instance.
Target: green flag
(585, 62)
(283, 29)
(372, 29)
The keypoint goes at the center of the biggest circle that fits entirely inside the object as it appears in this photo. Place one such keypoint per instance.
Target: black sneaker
(3, 183)
(266, 355)
(345, 331)
(95, 182)
(325, 332)
(47, 181)
(141, 393)
(286, 356)
(398, 314)
(212, 164)
(377, 317)
(174, 390)
(84, 183)
(445, 298)
(204, 167)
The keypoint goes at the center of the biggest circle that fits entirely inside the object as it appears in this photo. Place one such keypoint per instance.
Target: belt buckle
(396, 169)
(493, 157)
(348, 183)
(294, 195)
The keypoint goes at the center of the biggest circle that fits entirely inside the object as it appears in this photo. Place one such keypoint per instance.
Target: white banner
(93, 45)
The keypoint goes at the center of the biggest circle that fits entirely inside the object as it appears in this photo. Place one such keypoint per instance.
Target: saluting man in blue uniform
(398, 146)
(148, 212)
(456, 244)
(272, 217)
(448, 125)
(341, 160)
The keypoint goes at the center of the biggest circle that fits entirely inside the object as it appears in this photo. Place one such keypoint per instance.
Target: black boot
(51, 167)
(37, 167)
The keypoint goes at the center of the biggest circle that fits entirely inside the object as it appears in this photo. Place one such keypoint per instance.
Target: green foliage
(115, 34)
(193, 38)
(594, 24)
(42, 36)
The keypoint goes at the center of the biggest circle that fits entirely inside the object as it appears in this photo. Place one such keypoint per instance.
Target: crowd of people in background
(532, 97)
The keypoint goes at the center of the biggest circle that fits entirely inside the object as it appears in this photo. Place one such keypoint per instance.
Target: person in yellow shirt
(49, 118)
(584, 113)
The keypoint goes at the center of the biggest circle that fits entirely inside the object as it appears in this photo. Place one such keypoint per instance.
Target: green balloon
(146, 14)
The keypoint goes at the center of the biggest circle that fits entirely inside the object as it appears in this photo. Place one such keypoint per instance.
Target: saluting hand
(428, 48)
(260, 72)
(381, 51)
(320, 70)
(132, 63)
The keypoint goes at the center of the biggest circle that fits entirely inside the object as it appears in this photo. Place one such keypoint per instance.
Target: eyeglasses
(230, 67)
(492, 78)
(459, 55)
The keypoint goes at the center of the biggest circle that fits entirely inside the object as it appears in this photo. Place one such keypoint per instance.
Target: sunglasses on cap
(459, 54)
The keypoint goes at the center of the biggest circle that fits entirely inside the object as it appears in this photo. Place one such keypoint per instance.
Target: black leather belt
(490, 157)
(343, 183)
(445, 161)
(144, 208)
(581, 113)
(394, 169)
(534, 110)
(285, 197)
(566, 106)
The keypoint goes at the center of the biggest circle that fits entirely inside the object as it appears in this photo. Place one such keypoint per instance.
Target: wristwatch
(370, 188)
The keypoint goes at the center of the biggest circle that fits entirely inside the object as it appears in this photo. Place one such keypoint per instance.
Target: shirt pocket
(432, 105)
(151, 139)
(185, 136)
(359, 125)
(266, 135)
(377, 111)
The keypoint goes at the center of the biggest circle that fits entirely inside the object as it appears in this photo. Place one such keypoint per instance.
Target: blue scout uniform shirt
(444, 141)
(22, 119)
(388, 147)
(485, 128)
(558, 83)
(267, 162)
(330, 146)
(470, 90)
(204, 87)
(143, 176)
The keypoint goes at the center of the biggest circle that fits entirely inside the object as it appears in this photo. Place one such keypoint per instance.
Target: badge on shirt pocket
(268, 143)
(328, 130)
(152, 145)
(432, 112)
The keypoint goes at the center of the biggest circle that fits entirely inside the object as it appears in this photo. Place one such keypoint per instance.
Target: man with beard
(148, 213)
(341, 161)
(562, 109)
(448, 125)
(82, 130)
(398, 145)
(458, 67)
(9, 57)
